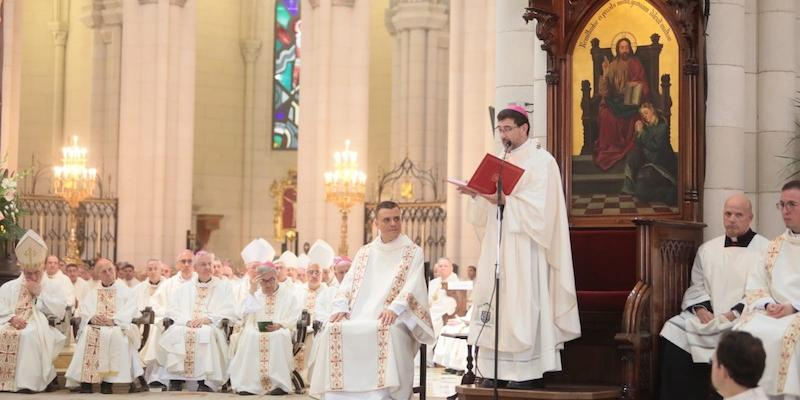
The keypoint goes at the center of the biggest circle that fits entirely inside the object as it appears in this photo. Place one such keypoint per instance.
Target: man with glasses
(711, 304)
(773, 299)
(540, 311)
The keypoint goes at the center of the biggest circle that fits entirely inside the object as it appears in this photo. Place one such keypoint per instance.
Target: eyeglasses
(788, 205)
(185, 261)
(505, 129)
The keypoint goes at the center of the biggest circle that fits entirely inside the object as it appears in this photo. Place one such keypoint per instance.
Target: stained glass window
(286, 85)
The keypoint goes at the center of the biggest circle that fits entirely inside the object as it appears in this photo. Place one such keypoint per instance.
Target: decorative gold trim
(358, 277)
(773, 251)
(263, 359)
(787, 351)
(190, 348)
(402, 274)
(277, 190)
(9, 346)
(383, 353)
(336, 372)
(91, 355)
(417, 309)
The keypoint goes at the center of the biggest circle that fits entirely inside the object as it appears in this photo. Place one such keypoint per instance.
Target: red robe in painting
(615, 120)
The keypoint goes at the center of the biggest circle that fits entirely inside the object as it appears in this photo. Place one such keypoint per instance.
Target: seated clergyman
(711, 304)
(29, 344)
(107, 347)
(262, 361)
(195, 348)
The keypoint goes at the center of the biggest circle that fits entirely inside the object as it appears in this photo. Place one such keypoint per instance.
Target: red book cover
(485, 178)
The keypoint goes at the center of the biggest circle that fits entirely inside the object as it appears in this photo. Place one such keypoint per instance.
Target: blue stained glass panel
(286, 81)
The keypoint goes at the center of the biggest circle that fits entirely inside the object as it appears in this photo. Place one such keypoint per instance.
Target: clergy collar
(206, 282)
(741, 241)
(107, 286)
(155, 284)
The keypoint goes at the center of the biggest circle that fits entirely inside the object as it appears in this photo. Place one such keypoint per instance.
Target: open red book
(485, 178)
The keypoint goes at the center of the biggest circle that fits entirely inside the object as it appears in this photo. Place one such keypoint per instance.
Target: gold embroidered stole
(335, 330)
(9, 340)
(263, 343)
(198, 311)
(106, 307)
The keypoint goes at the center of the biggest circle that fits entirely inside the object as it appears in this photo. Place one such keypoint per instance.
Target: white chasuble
(358, 357)
(540, 311)
(145, 293)
(106, 353)
(776, 280)
(719, 275)
(197, 353)
(263, 361)
(26, 355)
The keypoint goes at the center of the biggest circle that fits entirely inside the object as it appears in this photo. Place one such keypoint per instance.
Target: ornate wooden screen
(423, 211)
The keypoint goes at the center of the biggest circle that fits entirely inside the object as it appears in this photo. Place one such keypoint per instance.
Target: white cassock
(451, 352)
(144, 293)
(358, 358)
(26, 355)
(63, 284)
(719, 275)
(80, 288)
(106, 353)
(263, 361)
(776, 280)
(540, 310)
(307, 299)
(196, 354)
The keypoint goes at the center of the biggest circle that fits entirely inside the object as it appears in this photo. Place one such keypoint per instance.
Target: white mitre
(288, 259)
(258, 251)
(302, 260)
(31, 251)
(321, 253)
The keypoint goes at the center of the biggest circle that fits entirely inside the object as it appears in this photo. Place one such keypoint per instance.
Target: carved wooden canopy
(561, 26)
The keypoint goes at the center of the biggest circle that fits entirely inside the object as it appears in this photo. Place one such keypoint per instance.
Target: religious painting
(625, 142)
(286, 83)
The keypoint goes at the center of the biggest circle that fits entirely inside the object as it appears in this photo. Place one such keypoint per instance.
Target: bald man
(711, 304)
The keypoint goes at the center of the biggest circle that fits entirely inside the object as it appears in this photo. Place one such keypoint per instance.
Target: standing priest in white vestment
(28, 344)
(195, 347)
(540, 311)
(711, 304)
(262, 361)
(380, 317)
(107, 347)
(773, 299)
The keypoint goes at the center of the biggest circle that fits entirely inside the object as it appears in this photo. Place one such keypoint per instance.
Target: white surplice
(719, 275)
(144, 294)
(776, 280)
(28, 354)
(63, 283)
(106, 353)
(359, 359)
(540, 310)
(263, 361)
(196, 354)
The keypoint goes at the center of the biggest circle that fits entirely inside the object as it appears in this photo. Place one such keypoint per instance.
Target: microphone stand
(500, 208)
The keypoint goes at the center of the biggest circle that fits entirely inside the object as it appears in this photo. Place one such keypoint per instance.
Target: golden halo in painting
(619, 36)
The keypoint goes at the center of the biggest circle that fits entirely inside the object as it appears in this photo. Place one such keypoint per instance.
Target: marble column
(751, 106)
(335, 99)
(725, 116)
(251, 49)
(156, 140)
(472, 90)
(12, 77)
(419, 71)
(515, 63)
(104, 17)
(776, 113)
(59, 28)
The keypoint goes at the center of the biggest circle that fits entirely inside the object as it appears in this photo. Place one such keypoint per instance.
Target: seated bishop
(257, 252)
(773, 301)
(324, 303)
(711, 304)
(108, 342)
(29, 345)
(320, 256)
(262, 360)
(145, 297)
(380, 317)
(195, 348)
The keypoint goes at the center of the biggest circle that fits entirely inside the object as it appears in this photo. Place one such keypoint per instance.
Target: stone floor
(440, 385)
